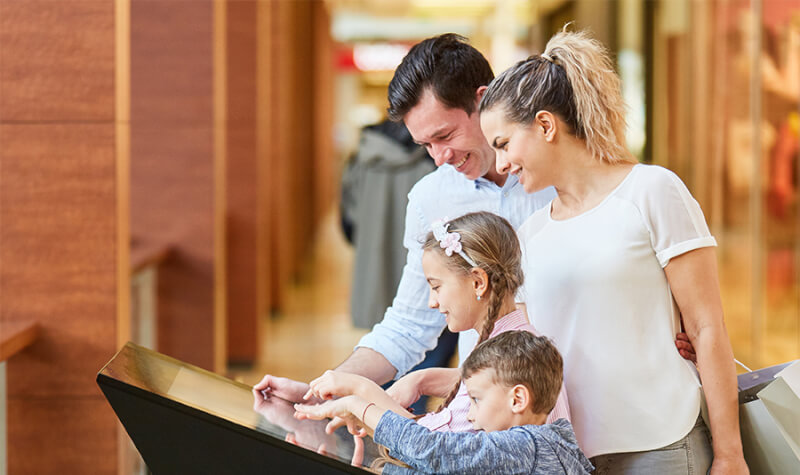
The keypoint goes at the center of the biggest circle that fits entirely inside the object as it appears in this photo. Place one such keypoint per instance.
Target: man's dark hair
(447, 64)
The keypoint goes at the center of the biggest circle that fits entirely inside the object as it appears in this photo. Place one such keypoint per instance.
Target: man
(435, 91)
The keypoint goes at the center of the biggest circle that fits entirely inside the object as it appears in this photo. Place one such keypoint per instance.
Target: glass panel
(780, 90)
(733, 173)
(177, 385)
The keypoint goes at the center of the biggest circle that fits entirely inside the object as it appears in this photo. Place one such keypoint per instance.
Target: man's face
(451, 136)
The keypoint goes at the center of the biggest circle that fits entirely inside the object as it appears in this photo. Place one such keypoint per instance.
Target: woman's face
(452, 292)
(520, 149)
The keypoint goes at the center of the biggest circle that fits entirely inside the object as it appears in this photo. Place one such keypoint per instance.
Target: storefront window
(726, 82)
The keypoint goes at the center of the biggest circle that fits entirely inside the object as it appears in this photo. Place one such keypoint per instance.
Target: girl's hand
(406, 390)
(334, 384)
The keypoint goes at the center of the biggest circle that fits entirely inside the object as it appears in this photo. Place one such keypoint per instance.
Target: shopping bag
(769, 416)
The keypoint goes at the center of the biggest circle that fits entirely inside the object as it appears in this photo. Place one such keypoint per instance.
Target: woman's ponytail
(596, 92)
(574, 79)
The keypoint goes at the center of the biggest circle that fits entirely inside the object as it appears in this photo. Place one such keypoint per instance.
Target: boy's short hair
(520, 357)
(448, 65)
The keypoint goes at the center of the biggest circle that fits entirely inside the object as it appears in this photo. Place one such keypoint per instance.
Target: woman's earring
(479, 297)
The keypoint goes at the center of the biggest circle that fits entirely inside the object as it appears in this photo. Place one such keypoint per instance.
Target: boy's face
(490, 407)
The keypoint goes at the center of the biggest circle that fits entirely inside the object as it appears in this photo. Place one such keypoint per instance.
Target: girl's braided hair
(492, 244)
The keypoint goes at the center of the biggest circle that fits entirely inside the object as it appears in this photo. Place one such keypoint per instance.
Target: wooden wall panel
(59, 252)
(279, 82)
(172, 204)
(265, 148)
(291, 161)
(172, 167)
(58, 230)
(171, 61)
(245, 286)
(44, 71)
(301, 167)
(80, 436)
(326, 163)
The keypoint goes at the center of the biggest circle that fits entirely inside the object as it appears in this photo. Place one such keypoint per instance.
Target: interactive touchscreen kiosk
(184, 419)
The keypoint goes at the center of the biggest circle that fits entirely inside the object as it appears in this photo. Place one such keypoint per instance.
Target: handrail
(144, 255)
(16, 335)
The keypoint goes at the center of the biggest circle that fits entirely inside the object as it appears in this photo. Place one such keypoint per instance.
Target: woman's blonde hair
(574, 79)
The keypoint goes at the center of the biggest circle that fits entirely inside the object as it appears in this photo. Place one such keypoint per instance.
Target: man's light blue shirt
(409, 327)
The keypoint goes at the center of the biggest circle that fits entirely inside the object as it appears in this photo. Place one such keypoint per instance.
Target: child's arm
(436, 382)
(455, 453)
(354, 410)
(337, 383)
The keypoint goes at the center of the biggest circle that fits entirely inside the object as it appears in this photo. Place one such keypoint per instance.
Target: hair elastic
(450, 242)
(364, 414)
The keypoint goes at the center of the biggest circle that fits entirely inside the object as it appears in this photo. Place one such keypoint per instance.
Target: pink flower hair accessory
(450, 242)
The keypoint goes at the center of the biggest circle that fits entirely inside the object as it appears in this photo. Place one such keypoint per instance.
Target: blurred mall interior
(170, 174)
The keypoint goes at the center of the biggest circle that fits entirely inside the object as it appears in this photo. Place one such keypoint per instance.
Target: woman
(616, 259)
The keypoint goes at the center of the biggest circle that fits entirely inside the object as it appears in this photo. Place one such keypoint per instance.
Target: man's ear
(480, 281)
(521, 399)
(546, 122)
(479, 94)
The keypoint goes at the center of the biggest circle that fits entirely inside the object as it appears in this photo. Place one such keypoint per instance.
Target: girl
(619, 255)
(472, 265)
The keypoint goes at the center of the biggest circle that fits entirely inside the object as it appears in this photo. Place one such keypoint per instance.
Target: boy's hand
(334, 384)
(336, 409)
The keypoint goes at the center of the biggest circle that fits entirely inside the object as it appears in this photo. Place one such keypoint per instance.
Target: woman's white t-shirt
(595, 284)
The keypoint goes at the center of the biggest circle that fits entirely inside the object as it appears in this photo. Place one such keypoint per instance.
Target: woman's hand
(729, 466)
(406, 390)
(335, 384)
(438, 382)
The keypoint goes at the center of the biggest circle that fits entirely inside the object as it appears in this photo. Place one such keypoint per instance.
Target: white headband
(450, 242)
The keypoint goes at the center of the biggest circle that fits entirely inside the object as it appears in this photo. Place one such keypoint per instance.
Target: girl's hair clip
(450, 242)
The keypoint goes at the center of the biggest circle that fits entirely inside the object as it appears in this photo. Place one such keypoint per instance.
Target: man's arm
(409, 327)
(370, 364)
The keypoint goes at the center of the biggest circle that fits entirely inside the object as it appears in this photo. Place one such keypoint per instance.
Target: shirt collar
(511, 321)
(511, 181)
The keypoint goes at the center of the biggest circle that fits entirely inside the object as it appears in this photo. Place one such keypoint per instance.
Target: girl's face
(521, 150)
(453, 293)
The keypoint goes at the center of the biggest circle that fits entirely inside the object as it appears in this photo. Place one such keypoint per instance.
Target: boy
(513, 380)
